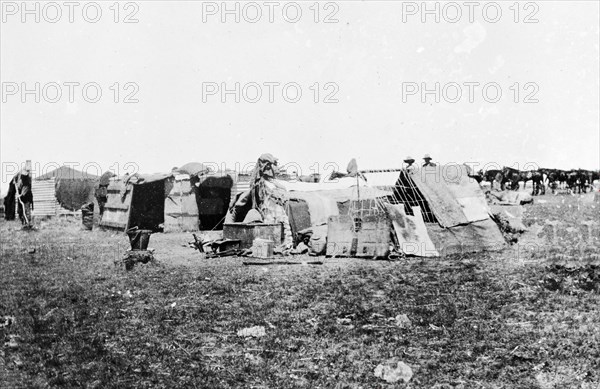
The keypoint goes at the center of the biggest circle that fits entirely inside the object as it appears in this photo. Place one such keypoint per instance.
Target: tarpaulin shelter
(342, 222)
(308, 208)
(212, 190)
(168, 202)
(451, 205)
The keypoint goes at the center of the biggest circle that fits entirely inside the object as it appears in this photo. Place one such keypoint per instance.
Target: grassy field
(527, 317)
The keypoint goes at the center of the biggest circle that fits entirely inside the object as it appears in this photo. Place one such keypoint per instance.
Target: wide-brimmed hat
(426, 156)
(409, 159)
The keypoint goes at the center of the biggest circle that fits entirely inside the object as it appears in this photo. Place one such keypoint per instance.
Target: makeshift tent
(168, 202)
(308, 208)
(355, 220)
(72, 189)
(137, 201)
(452, 206)
(60, 191)
(213, 191)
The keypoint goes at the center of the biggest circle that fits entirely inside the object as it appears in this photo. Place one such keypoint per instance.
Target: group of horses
(575, 180)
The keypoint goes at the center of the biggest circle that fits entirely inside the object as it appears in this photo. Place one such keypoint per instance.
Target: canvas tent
(451, 205)
(308, 208)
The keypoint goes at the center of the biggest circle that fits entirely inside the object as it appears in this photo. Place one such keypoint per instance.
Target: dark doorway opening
(213, 196)
(147, 210)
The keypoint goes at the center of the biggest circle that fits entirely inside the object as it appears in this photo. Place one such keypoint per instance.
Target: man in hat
(409, 163)
(427, 160)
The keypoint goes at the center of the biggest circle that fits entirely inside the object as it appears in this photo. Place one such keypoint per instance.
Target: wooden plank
(340, 236)
(116, 210)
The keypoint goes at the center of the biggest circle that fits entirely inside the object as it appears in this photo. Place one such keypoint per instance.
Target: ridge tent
(452, 207)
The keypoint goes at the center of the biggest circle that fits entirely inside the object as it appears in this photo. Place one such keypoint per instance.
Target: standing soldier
(24, 196)
(427, 160)
(409, 163)
(102, 191)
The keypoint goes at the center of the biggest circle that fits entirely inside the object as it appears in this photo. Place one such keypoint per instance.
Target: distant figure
(409, 163)
(24, 197)
(427, 160)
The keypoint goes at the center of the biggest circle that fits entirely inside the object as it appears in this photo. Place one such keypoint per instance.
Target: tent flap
(411, 232)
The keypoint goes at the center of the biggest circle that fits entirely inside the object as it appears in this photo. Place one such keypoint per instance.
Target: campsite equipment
(139, 239)
(198, 244)
(224, 247)
(262, 248)
(246, 233)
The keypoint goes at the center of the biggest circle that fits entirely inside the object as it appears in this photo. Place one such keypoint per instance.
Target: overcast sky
(373, 59)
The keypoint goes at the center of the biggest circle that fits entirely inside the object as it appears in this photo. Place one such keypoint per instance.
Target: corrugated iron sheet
(44, 198)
